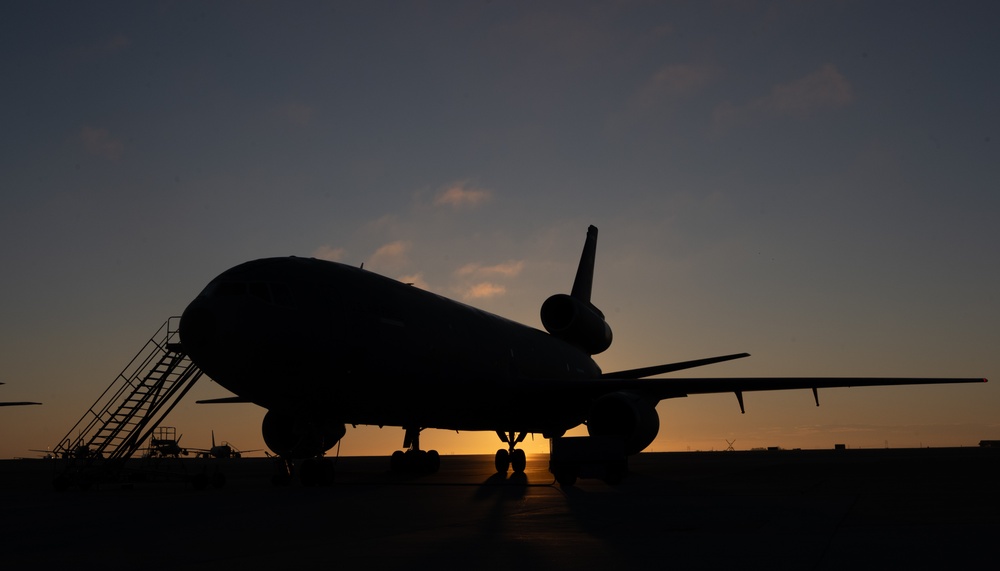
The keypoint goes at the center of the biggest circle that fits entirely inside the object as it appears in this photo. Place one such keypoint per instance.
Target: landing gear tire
(616, 472)
(502, 461)
(566, 475)
(433, 461)
(397, 461)
(518, 460)
(415, 462)
(282, 475)
(316, 472)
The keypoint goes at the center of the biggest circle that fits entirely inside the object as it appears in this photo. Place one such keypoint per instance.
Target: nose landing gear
(511, 457)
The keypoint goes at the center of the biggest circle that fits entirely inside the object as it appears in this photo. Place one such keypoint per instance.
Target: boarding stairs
(134, 405)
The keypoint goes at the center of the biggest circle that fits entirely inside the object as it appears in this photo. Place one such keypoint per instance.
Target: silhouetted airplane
(222, 451)
(22, 403)
(320, 345)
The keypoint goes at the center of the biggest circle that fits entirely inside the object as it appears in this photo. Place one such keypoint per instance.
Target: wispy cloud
(100, 49)
(673, 82)
(821, 90)
(507, 269)
(462, 195)
(483, 290)
(663, 91)
(101, 143)
(477, 281)
(416, 280)
(329, 253)
(297, 113)
(391, 255)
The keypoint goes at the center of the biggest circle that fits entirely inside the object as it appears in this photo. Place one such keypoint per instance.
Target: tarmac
(785, 509)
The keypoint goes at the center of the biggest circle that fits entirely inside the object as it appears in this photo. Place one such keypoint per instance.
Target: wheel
(501, 461)
(282, 473)
(396, 461)
(218, 480)
(565, 475)
(309, 473)
(199, 481)
(616, 472)
(433, 461)
(518, 461)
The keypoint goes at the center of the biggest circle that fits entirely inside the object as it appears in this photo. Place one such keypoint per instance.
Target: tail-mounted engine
(291, 436)
(627, 416)
(576, 322)
(572, 317)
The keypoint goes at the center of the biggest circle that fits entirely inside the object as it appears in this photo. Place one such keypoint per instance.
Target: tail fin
(573, 318)
(584, 282)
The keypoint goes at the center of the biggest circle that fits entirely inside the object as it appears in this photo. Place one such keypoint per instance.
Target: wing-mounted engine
(291, 436)
(572, 317)
(625, 415)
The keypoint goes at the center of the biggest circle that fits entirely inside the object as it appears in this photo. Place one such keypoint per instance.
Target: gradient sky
(816, 183)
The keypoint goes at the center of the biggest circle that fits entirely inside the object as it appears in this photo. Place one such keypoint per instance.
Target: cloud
(673, 82)
(664, 90)
(99, 142)
(483, 290)
(100, 49)
(461, 194)
(391, 255)
(416, 280)
(508, 269)
(479, 282)
(297, 113)
(821, 90)
(329, 253)
(116, 43)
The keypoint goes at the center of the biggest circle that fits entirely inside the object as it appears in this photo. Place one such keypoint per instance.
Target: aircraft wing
(660, 389)
(637, 381)
(671, 388)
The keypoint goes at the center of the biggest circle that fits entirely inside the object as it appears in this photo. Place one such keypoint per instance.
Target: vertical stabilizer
(573, 318)
(584, 282)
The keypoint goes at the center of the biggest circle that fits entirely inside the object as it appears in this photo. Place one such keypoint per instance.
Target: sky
(815, 183)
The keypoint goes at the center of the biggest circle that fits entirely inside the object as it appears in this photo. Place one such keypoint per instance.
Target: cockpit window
(230, 289)
(260, 291)
(273, 293)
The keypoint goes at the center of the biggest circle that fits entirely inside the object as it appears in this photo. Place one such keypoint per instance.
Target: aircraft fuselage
(324, 340)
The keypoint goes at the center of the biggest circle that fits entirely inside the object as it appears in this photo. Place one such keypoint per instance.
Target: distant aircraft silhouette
(21, 403)
(222, 451)
(321, 345)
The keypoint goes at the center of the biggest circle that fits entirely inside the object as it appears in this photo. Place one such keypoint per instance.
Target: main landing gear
(318, 471)
(414, 460)
(512, 457)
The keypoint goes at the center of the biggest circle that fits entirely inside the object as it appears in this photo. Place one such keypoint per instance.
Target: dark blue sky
(815, 183)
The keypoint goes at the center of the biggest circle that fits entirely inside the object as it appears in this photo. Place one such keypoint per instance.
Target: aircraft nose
(197, 328)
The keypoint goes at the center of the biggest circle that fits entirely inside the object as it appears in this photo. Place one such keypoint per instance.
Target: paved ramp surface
(927, 508)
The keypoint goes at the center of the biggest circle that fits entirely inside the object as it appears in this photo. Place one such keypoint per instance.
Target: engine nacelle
(292, 436)
(576, 322)
(627, 416)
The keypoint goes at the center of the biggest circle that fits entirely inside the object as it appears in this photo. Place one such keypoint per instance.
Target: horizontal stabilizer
(671, 367)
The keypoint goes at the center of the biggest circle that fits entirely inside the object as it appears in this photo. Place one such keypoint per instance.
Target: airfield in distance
(821, 509)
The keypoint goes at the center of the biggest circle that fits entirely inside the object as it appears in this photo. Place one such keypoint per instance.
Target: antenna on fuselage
(584, 282)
